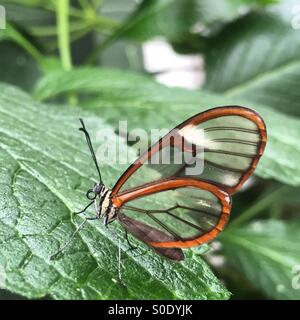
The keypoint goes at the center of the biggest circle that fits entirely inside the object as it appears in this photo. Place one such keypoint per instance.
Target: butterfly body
(106, 209)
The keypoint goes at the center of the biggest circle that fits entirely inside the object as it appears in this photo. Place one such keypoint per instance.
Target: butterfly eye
(91, 195)
(98, 189)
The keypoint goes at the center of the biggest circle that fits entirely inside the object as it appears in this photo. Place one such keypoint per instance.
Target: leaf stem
(259, 206)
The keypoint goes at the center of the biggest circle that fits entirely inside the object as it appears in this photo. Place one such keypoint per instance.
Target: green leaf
(257, 58)
(168, 18)
(268, 253)
(211, 16)
(47, 170)
(145, 104)
(220, 11)
(173, 19)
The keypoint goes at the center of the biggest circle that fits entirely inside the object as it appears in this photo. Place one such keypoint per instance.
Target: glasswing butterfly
(183, 210)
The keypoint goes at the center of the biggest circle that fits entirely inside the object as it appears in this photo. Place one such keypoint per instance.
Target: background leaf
(217, 12)
(147, 103)
(175, 19)
(48, 170)
(249, 60)
(268, 253)
(168, 18)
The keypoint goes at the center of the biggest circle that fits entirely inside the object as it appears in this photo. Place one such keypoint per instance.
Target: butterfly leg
(83, 210)
(70, 239)
(131, 247)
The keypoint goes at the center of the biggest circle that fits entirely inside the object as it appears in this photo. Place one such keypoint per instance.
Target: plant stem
(63, 32)
(259, 206)
(62, 12)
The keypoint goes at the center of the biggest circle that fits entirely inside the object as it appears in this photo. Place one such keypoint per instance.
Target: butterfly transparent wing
(188, 212)
(222, 145)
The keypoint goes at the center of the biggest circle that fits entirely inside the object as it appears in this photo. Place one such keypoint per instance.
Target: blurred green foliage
(59, 52)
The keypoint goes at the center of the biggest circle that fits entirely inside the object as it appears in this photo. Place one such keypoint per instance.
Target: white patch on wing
(194, 135)
(230, 180)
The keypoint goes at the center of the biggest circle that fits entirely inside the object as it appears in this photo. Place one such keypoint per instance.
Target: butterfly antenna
(69, 240)
(88, 140)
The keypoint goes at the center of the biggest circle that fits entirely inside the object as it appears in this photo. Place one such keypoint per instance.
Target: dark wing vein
(239, 154)
(219, 166)
(239, 141)
(233, 129)
(172, 208)
(186, 222)
(150, 212)
(172, 232)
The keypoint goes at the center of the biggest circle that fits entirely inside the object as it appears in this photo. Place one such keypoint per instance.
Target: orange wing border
(195, 120)
(169, 184)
